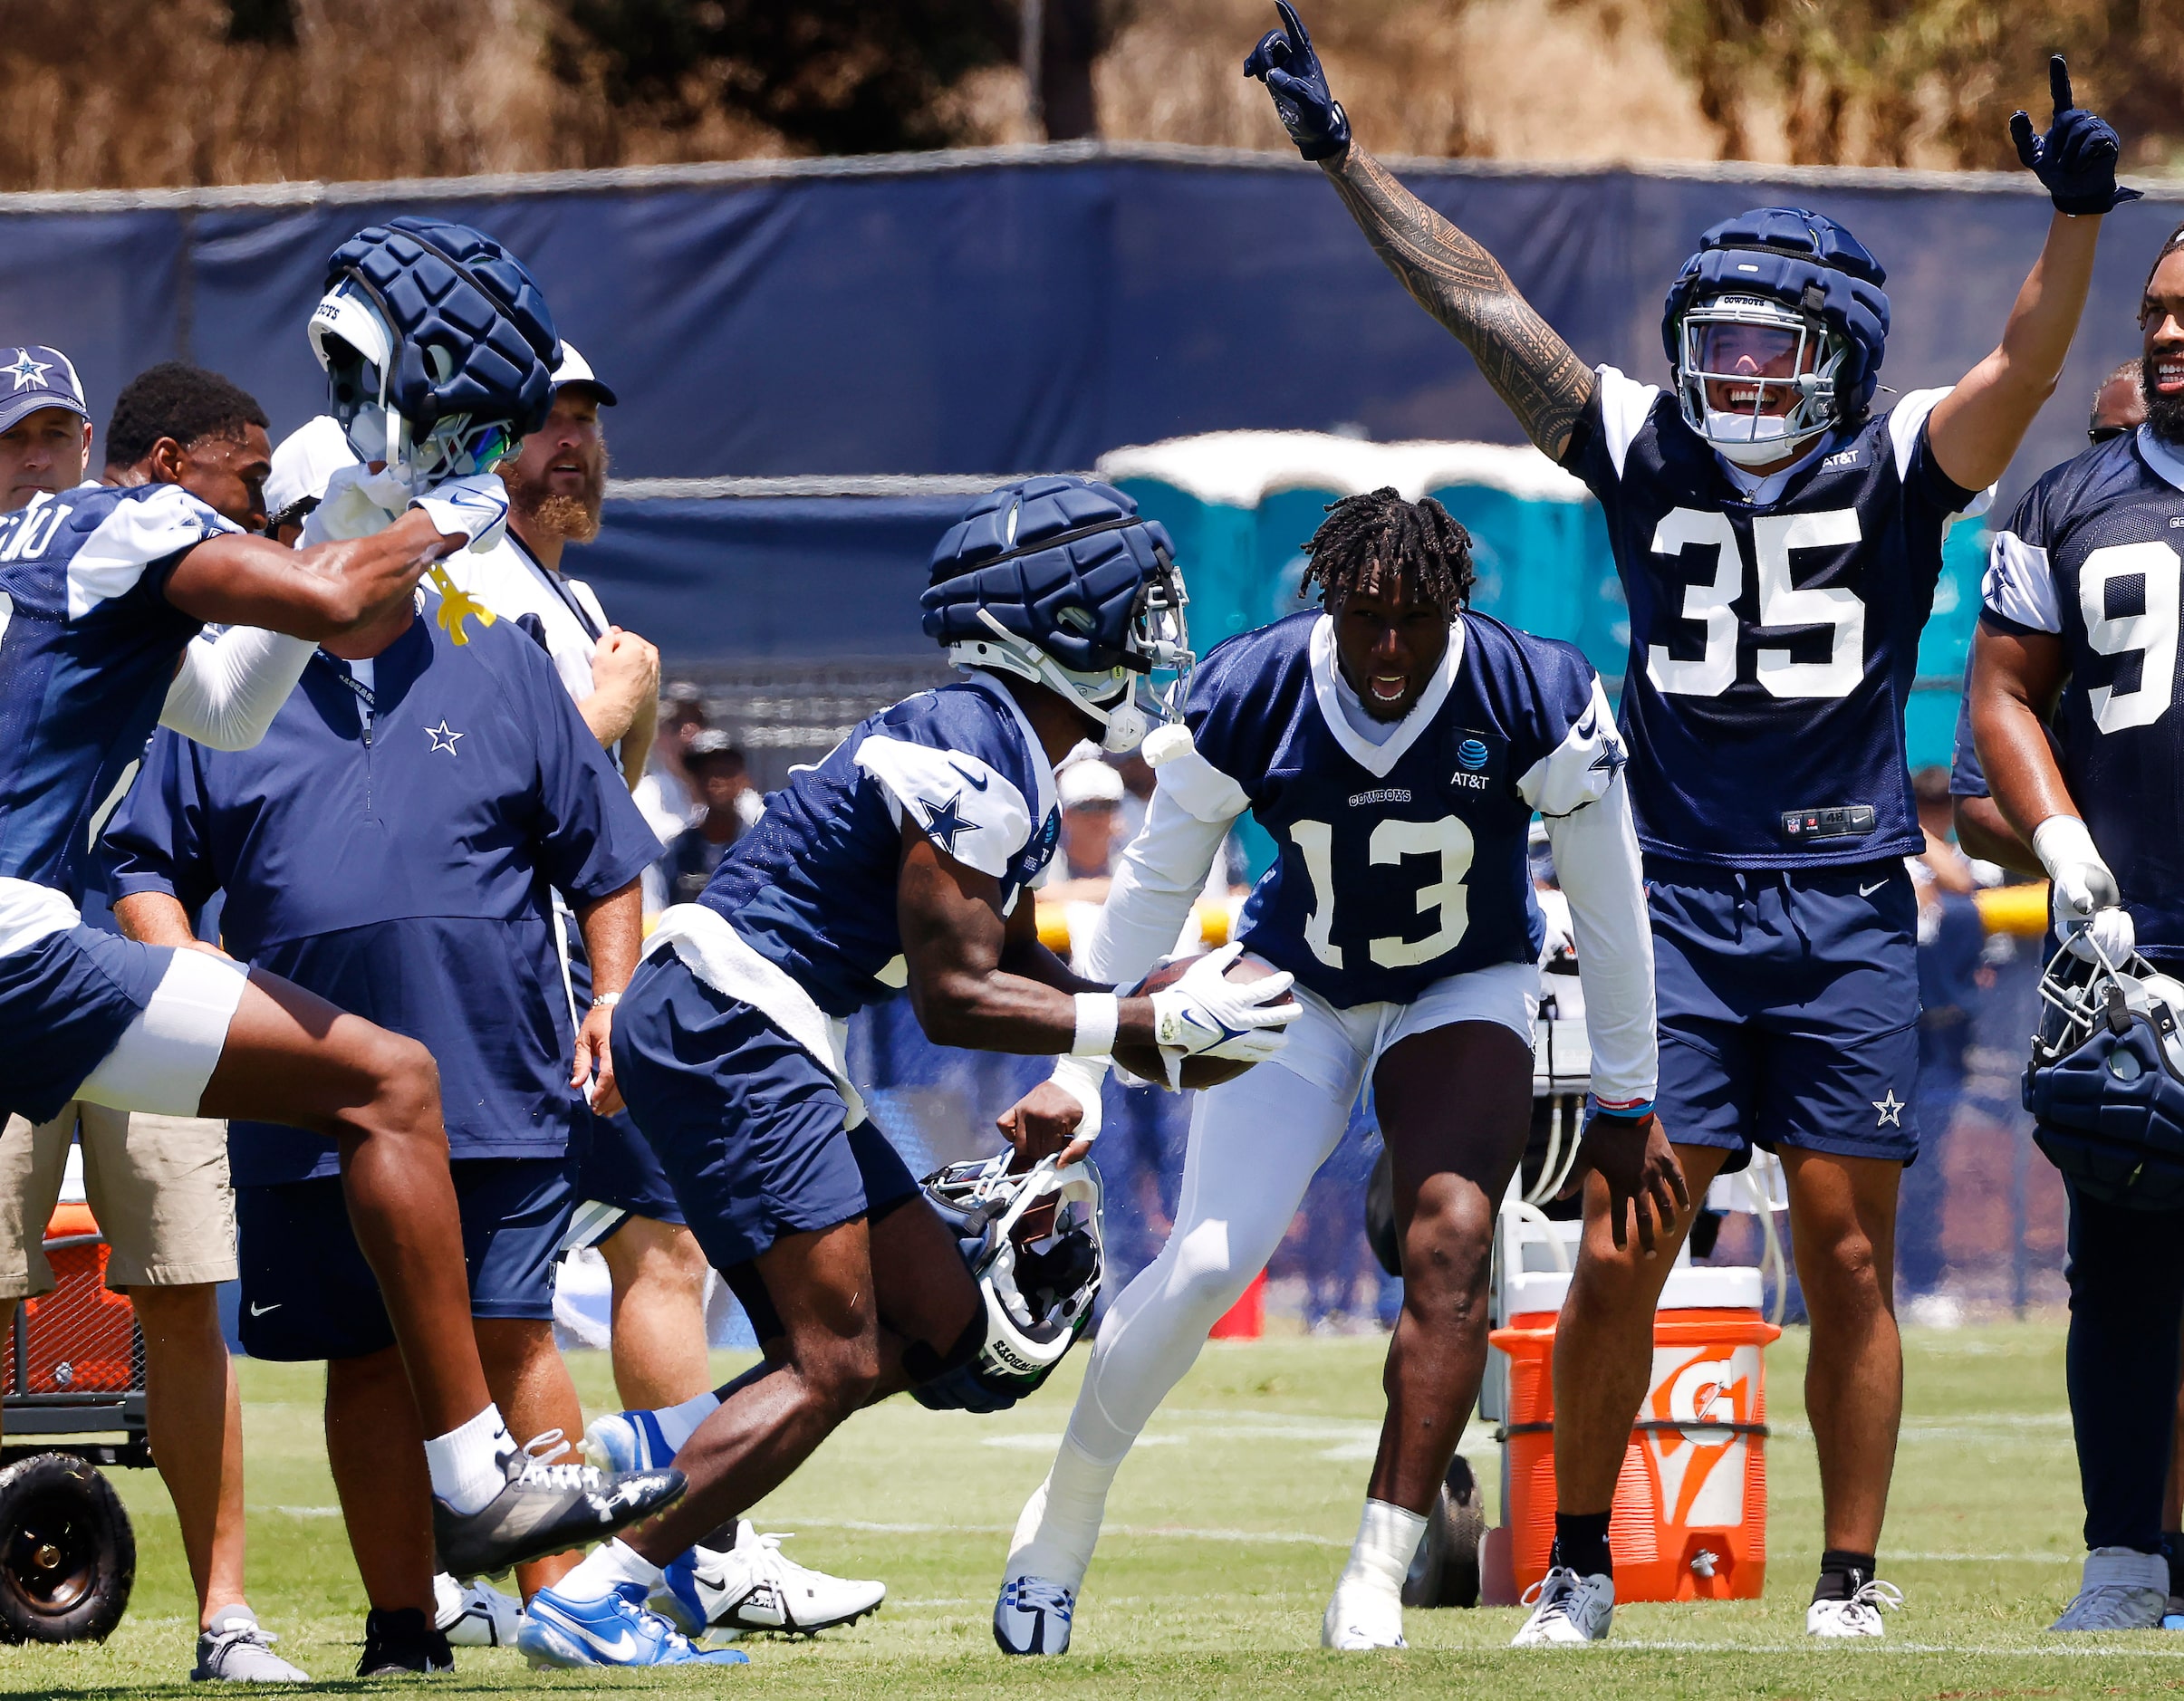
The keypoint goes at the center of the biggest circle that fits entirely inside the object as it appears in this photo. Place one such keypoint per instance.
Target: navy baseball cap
(36, 376)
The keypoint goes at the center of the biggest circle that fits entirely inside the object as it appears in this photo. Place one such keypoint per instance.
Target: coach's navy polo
(401, 870)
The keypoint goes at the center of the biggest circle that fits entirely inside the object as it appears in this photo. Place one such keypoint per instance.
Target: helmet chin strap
(1124, 723)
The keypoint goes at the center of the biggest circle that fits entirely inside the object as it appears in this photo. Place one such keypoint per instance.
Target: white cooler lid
(1692, 1287)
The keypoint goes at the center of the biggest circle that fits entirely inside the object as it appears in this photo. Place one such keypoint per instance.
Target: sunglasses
(2098, 435)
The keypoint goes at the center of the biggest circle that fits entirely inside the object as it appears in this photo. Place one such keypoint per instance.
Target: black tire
(1446, 1573)
(1380, 1215)
(68, 1556)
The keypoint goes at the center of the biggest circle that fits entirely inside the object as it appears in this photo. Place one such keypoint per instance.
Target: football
(1144, 1060)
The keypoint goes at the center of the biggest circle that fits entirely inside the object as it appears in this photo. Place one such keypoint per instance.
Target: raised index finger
(1293, 26)
(2058, 84)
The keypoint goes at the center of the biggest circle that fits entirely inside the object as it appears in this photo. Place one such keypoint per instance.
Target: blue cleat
(613, 1630)
(623, 1435)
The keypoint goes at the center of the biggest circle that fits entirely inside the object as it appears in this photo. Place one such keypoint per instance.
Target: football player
(1396, 745)
(900, 859)
(2080, 630)
(103, 590)
(1779, 542)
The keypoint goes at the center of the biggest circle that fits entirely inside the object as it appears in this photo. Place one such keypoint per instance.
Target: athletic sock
(1843, 1573)
(1060, 1524)
(1580, 1542)
(677, 1424)
(468, 1463)
(606, 1565)
(1387, 1541)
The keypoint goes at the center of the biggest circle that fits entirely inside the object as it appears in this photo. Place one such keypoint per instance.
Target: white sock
(605, 1566)
(467, 1464)
(1060, 1524)
(679, 1423)
(1387, 1542)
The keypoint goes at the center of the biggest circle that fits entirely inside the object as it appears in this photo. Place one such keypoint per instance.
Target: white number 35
(1782, 605)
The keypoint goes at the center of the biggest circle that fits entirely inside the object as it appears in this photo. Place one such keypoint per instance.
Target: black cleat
(402, 1643)
(546, 1508)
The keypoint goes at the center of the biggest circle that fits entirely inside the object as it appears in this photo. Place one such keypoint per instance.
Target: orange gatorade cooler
(82, 1339)
(1690, 1520)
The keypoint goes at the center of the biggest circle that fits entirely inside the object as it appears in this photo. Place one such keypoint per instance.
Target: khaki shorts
(157, 1184)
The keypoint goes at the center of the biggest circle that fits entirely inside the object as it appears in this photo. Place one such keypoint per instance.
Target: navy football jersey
(2092, 555)
(812, 885)
(1773, 629)
(1401, 862)
(87, 649)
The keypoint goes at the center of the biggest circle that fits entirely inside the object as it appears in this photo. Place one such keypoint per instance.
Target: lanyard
(559, 589)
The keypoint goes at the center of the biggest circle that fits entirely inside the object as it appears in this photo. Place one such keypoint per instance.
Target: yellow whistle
(456, 605)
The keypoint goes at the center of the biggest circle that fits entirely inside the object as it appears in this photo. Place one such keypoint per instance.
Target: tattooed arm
(1462, 285)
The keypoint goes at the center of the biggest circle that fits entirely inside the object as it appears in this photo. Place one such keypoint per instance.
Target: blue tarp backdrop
(1020, 309)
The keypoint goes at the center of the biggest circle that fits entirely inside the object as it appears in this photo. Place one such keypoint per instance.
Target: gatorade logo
(1701, 1472)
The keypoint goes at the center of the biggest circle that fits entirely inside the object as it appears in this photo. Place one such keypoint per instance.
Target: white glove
(2087, 902)
(358, 502)
(1204, 1016)
(475, 506)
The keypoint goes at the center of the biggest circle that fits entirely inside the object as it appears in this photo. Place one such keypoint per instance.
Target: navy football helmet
(438, 348)
(1032, 1241)
(1778, 305)
(2105, 1082)
(1059, 580)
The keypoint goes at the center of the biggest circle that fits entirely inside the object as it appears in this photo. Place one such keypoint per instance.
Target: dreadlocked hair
(1363, 537)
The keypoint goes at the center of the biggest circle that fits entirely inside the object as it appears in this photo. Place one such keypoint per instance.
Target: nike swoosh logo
(259, 1311)
(1867, 891)
(624, 1646)
(972, 780)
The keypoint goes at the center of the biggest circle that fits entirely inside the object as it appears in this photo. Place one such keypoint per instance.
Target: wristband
(1635, 1110)
(1098, 1014)
(1081, 1077)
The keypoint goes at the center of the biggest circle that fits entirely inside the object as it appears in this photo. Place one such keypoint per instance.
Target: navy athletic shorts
(750, 1129)
(65, 1003)
(1789, 1007)
(308, 1293)
(619, 1167)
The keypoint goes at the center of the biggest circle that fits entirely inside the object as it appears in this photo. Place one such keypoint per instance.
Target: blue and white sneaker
(754, 1586)
(1033, 1616)
(620, 1437)
(613, 1630)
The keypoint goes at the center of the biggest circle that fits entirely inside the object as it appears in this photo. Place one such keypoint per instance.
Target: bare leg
(822, 1284)
(377, 1452)
(1454, 1153)
(531, 1387)
(1604, 1342)
(1843, 1225)
(195, 1418)
(292, 1057)
(926, 1294)
(659, 1313)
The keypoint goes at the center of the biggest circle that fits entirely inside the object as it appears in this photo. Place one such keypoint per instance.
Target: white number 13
(1444, 899)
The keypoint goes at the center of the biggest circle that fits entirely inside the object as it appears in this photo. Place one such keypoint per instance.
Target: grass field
(1227, 1530)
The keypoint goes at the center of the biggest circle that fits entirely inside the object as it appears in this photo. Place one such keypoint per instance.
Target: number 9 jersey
(2091, 556)
(1774, 628)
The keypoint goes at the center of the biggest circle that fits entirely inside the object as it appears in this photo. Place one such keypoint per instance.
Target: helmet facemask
(1774, 393)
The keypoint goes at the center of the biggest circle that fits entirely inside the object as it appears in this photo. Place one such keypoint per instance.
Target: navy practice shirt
(404, 873)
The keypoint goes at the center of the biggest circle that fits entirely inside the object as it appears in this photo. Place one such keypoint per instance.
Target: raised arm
(1976, 427)
(1453, 278)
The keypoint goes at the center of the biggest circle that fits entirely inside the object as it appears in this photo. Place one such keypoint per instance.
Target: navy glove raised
(1283, 60)
(2076, 161)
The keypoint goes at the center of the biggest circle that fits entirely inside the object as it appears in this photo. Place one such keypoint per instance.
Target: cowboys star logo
(26, 372)
(442, 739)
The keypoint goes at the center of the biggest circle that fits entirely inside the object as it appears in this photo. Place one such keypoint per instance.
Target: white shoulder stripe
(1624, 406)
(1581, 769)
(136, 534)
(2020, 585)
(967, 807)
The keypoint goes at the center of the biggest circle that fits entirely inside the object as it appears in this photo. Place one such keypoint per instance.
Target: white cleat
(1033, 1616)
(1362, 1617)
(475, 1614)
(1860, 1614)
(2122, 1589)
(754, 1587)
(1567, 1611)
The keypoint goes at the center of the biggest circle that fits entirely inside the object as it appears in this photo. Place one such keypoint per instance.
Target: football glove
(358, 502)
(475, 507)
(2087, 902)
(1283, 60)
(1205, 1016)
(2076, 161)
